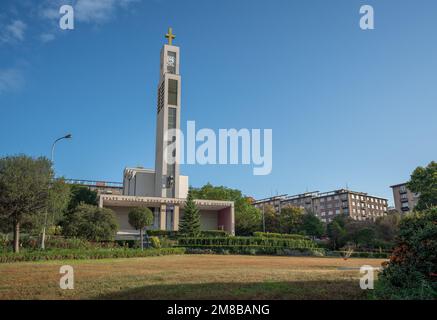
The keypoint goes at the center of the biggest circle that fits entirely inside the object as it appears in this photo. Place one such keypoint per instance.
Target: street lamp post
(43, 239)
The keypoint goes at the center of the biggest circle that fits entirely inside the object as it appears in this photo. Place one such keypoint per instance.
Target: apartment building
(404, 199)
(102, 187)
(274, 201)
(357, 205)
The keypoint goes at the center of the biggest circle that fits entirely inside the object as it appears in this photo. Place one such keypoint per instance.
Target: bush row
(248, 241)
(59, 243)
(64, 254)
(382, 255)
(174, 234)
(254, 250)
(214, 233)
(279, 235)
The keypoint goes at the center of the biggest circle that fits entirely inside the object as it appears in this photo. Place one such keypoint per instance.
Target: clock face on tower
(171, 62)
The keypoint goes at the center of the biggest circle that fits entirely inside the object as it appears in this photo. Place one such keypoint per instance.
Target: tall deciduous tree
(271, 219)
(336, 230)
(140, 218)
(312, 226)
(81, 194)
(424, 181)
(248, 219)
(57, 203)
(387, 227)
(189, 225)
(291, 219)
(24, 185)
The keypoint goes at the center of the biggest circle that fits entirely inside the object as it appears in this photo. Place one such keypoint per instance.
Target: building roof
(398, 185)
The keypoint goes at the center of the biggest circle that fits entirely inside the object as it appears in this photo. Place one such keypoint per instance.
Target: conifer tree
(189, 224)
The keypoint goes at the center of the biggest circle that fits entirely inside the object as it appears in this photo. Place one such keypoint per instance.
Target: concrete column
(226, 219)
(175, 226)
(162, 217)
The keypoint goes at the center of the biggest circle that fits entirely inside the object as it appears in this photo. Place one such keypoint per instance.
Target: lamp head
(68, 136)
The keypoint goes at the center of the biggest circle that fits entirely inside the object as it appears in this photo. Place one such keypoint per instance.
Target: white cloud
(10, 80)
(13, 32)
(47, 37)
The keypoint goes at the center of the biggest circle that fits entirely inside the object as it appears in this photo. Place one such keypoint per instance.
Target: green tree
(81, 194)
(291, 219)
(424, 181)
(312, 225)
(248, 219)
(337, 232)
(59, 199)
(189, 224)
(91, 223)
(57, 203)
(410, 274)
(387, 227)
(140, 218)
(271, 219)
(24, 184)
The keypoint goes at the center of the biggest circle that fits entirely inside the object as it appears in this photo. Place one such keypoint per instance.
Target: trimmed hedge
(279, 235)
(162, 233)
(64, 254)
(248, 241)
(214, 233)
(32, 243)
(255, 250)
(357, 254)
(174, 234)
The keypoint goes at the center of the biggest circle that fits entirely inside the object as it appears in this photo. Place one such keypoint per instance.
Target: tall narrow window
(173, 92)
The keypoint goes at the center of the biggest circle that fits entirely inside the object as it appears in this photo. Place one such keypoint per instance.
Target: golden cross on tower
(170, 36)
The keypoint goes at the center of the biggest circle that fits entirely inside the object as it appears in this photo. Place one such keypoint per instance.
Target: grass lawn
(188, 277)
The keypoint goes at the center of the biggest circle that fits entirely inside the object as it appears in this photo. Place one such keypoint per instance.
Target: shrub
(255, 250)
(400, 284)
(279, 235)
(357, 254)
(155, 242)
(91, 223)
(410, 274)
(248, 241)
(199, 251)
(167, 243)
(63, 254)
(163, 233)
(63, 243)
(126, 243)
(214, 233)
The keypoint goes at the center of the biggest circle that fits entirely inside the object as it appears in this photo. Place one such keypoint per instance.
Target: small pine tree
(189, 225)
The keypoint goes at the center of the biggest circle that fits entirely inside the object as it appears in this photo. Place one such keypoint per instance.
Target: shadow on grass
(320, 290)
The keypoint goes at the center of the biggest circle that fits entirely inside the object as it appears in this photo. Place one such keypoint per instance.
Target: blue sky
(347, 107)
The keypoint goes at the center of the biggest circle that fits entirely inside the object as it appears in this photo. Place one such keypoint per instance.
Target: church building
(163, 189)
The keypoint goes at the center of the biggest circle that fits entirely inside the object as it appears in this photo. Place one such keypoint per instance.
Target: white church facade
(163, 189)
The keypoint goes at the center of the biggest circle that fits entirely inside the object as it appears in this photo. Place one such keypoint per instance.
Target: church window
(173, 92)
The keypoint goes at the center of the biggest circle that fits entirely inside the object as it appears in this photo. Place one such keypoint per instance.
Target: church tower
(168, 117)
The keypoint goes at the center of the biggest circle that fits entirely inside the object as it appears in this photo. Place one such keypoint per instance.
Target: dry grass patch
(188, 277)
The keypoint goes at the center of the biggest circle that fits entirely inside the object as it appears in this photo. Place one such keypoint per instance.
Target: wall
(142, 184)
(183, 187)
